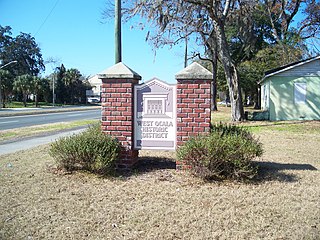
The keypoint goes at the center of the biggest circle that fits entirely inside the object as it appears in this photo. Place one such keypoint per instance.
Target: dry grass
(19, 133)
(157, 202)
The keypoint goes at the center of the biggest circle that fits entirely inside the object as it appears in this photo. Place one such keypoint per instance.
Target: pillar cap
(120, 71)
(194, 72)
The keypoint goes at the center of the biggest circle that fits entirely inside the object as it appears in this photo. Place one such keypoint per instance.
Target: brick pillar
(193, 103)
(117, 110)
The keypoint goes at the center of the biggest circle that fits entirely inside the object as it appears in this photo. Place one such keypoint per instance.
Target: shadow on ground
(273, 171)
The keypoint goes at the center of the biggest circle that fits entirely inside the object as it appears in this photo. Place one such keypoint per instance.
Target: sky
(71, 32)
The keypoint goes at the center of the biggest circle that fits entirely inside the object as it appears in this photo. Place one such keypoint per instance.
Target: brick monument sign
(154, 115)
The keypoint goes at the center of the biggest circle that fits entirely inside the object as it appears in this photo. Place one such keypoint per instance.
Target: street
(38, 119)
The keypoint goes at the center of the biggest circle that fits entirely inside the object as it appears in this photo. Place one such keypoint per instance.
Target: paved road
(38, 119)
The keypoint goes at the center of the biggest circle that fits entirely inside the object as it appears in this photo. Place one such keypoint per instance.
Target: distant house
(292, 92)
(95, 92)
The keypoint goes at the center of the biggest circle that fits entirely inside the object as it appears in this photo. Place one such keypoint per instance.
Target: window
(300, 92)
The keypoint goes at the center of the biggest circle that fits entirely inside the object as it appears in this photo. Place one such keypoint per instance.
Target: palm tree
(36, 88)
(23, 84)
(71, 79)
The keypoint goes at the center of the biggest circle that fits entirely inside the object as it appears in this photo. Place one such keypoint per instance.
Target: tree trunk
(36, 99)
(237, 113)
(214, 79)
(25, 99)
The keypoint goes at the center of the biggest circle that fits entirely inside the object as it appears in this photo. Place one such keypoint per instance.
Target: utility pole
(117, 24)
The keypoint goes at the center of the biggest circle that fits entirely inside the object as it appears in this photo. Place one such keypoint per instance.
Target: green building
(292, 92)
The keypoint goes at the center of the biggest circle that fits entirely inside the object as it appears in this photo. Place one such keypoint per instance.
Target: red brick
(111, 128)
(187, 129)
(186, 119)
(199, 100)
(116, 104)
(205, 86)
(106, 113)
(111, 100)
(181, 124)
(120, 118)
(182, 86)
(122, 100)
(187, 100)
(198, 129)
(198, 110)
(116, 123)
(187, 91)
(199, 91)
(193, 124)
(193, 115)
(185, 138)
(182, 134)
(106, 85)
(193, 105)
(204, 95)
(182, 115)
(110, 90)
(126, 123)
(122, 109)
(127, 85)
(121, 128)
(121, 90)
(108, 123)
(127, 95)
(193, 95)
(199, 120)
(186, 110)
(205, 105)
(193, 86)
(204, 124)
(182, 95)
(182, 105)
(115, 85)
(193, 134)
(129, 113)
(205, 115)
(106, 104)
(115, 95)
(111, 118)
(126, 104)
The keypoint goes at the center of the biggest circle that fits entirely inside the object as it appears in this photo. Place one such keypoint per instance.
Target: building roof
(288, 67)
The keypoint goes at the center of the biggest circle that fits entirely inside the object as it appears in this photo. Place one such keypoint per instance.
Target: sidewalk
(24, 144)
(9, 112)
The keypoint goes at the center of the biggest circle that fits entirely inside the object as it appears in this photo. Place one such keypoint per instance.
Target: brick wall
(193, 109)
(117, 116)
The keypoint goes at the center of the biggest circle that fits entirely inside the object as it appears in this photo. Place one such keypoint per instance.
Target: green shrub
(226, 153)
(90, 150)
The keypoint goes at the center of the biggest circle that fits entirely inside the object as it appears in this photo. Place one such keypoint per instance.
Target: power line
(45, 20)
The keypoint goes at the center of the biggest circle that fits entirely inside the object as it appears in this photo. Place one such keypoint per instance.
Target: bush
(226, 153)
(90, 150)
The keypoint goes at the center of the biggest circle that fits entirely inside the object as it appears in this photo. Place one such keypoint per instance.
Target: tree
(60, 87)
(281, 14)
(23, 84)
(36, 88)
(22, 48)
(6, 86)
(71, 80)
(183, 18)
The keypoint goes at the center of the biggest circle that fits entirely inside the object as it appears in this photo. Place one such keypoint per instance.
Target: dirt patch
(157, 202)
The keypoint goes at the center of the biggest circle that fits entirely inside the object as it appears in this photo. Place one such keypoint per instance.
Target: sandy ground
(157, 202)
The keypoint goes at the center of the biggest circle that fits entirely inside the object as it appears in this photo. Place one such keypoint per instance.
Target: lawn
(157, 202)
(19, 133)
